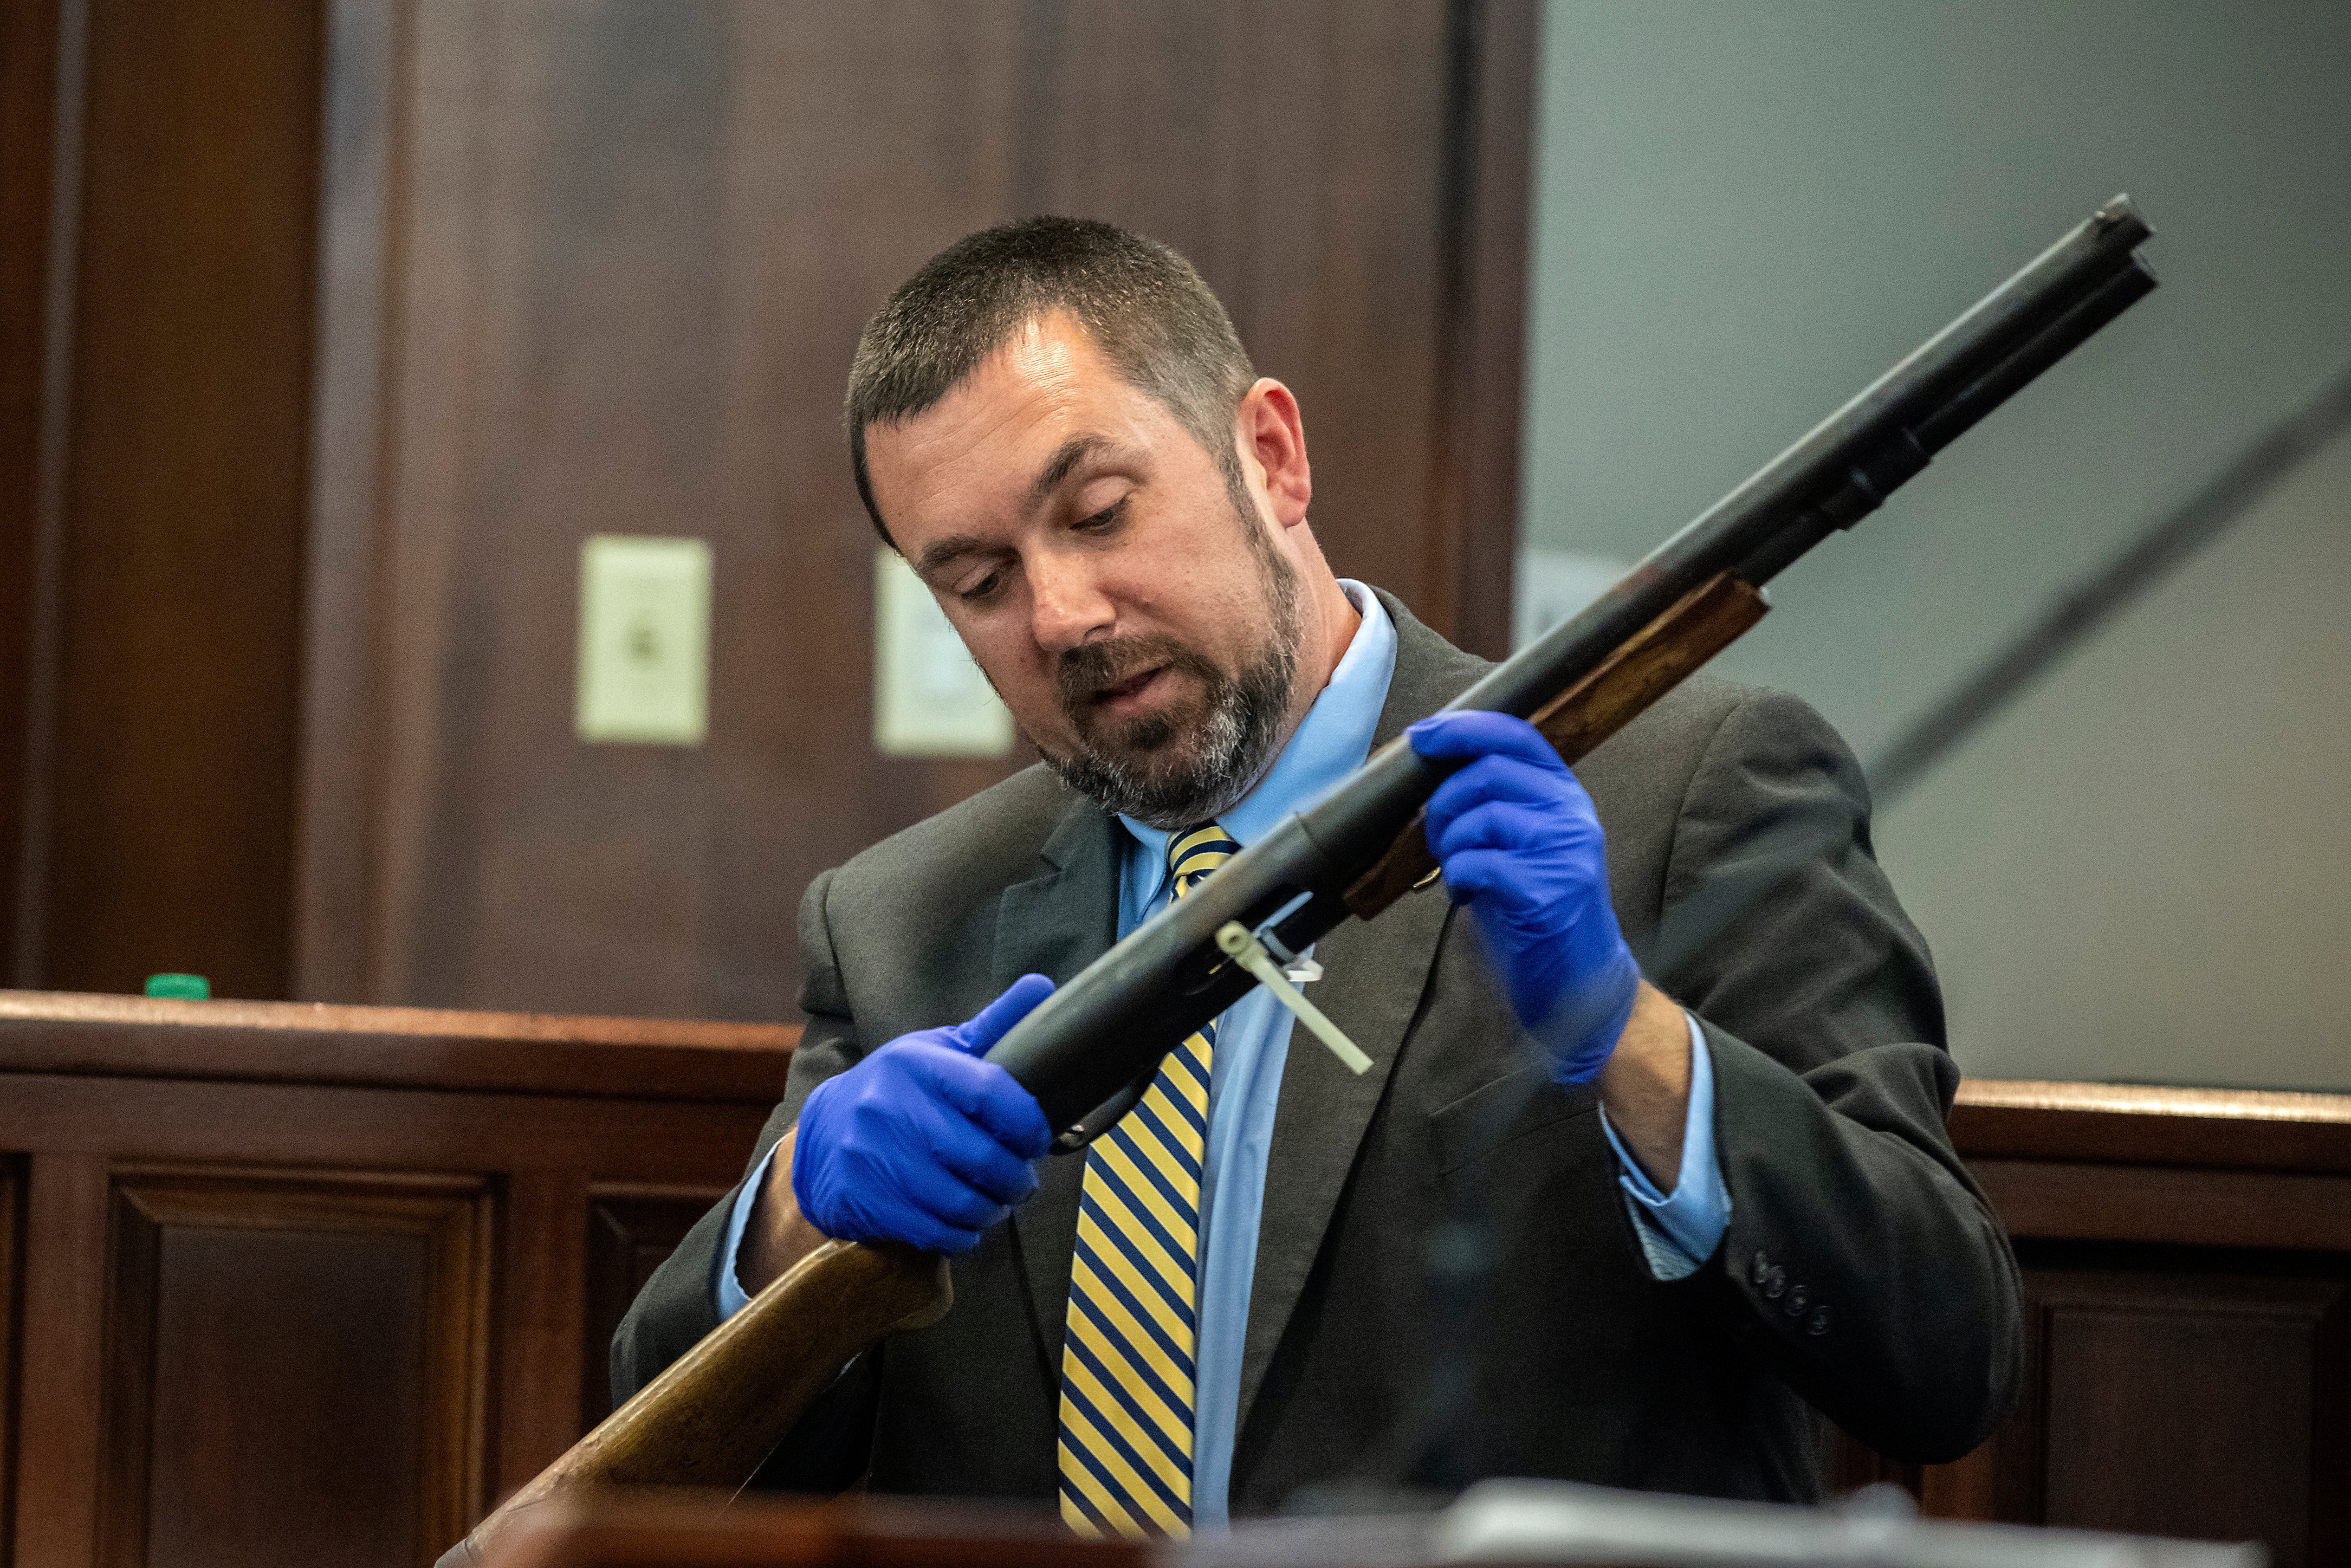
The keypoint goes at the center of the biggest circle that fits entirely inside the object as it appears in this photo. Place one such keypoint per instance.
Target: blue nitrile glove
(923, 1142)
(1521, 846)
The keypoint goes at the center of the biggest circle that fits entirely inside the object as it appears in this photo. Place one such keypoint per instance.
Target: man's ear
(1269, 430)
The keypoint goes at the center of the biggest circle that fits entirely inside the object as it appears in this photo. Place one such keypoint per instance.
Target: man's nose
(1067, 605)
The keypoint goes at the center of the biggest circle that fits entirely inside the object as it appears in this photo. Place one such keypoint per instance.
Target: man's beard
(1182, 766)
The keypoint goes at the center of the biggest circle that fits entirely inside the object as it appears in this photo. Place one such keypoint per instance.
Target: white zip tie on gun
(1251, 953)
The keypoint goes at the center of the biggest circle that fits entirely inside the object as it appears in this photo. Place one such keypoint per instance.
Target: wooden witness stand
(292, 1285)
(295, 1284)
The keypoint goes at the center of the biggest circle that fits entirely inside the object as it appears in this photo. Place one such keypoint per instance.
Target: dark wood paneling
(1470, 546)
(2159, 1203)
(28, 111)
(629, 1234)
(169, 784)
(369, 44)
(543, 1262)
(62, 1370)
(2152, 1377)
(562, 283)
(295, 1370)
(2170, 1391)
(316, 1342)
(12, 1342)
(603, 303)
(2187, 1261)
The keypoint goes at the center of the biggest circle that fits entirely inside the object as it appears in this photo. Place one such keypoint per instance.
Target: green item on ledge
(190, 987)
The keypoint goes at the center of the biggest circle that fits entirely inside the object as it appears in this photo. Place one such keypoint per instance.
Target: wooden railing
(300, 1284)
(2186, 1256)
(316, 1284)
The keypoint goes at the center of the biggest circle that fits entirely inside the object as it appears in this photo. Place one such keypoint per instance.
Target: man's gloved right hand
(922, 1142)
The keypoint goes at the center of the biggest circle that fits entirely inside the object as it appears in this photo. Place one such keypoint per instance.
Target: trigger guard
(1105, 1116)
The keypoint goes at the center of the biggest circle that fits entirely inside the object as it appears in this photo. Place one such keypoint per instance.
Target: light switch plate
(645, 640)
(929, 698)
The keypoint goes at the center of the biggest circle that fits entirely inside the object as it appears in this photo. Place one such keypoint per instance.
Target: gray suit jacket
(1447, 1285)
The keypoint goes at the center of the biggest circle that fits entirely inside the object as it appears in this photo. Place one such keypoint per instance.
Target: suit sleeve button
(1775, 1283)
(1819, 1322)
(1798, 1300)
(1762, 1267)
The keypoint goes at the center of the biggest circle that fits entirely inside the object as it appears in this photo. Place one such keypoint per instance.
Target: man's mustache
(1086, 670)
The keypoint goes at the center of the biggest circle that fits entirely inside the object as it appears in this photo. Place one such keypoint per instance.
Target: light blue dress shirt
(1679, 1230)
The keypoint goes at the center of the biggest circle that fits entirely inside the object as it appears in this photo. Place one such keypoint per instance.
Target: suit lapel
(1066, 917)
(1056, 924)
(1375, 976)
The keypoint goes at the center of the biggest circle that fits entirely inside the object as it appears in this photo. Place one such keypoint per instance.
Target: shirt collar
(1331, 741)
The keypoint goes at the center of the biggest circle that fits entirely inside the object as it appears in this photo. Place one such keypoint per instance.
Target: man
(1649, 1166)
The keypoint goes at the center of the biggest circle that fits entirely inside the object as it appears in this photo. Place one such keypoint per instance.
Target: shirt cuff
(1679, 1231)
(732, 1296)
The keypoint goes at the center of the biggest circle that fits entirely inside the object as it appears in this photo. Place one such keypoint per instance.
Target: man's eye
(980, 590)
(1106, 518)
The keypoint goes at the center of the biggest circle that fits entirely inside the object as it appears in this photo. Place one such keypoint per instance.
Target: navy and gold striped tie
(1127, 1355)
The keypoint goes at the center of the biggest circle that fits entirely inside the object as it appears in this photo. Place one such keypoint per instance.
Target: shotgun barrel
(1089, 1051)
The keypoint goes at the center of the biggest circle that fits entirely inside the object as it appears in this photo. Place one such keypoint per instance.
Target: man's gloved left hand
(1521, 845)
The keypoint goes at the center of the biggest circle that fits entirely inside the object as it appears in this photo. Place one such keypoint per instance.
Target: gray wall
(1744, 212)
(2143, 869)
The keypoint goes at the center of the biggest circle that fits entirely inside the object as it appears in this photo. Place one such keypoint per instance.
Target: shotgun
(1089, 1052)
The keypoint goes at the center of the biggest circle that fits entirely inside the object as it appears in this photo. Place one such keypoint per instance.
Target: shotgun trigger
(1105, 1116)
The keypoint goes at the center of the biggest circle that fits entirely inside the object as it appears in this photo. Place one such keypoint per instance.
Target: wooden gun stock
(714, 1417)
(1645, 668)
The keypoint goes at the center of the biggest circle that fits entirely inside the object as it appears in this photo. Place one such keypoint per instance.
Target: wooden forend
(1651, 662)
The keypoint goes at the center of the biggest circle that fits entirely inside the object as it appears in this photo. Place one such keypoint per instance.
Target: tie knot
(1196, 851)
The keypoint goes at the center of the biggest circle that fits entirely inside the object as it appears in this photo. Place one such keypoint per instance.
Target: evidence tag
(1251, 953)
